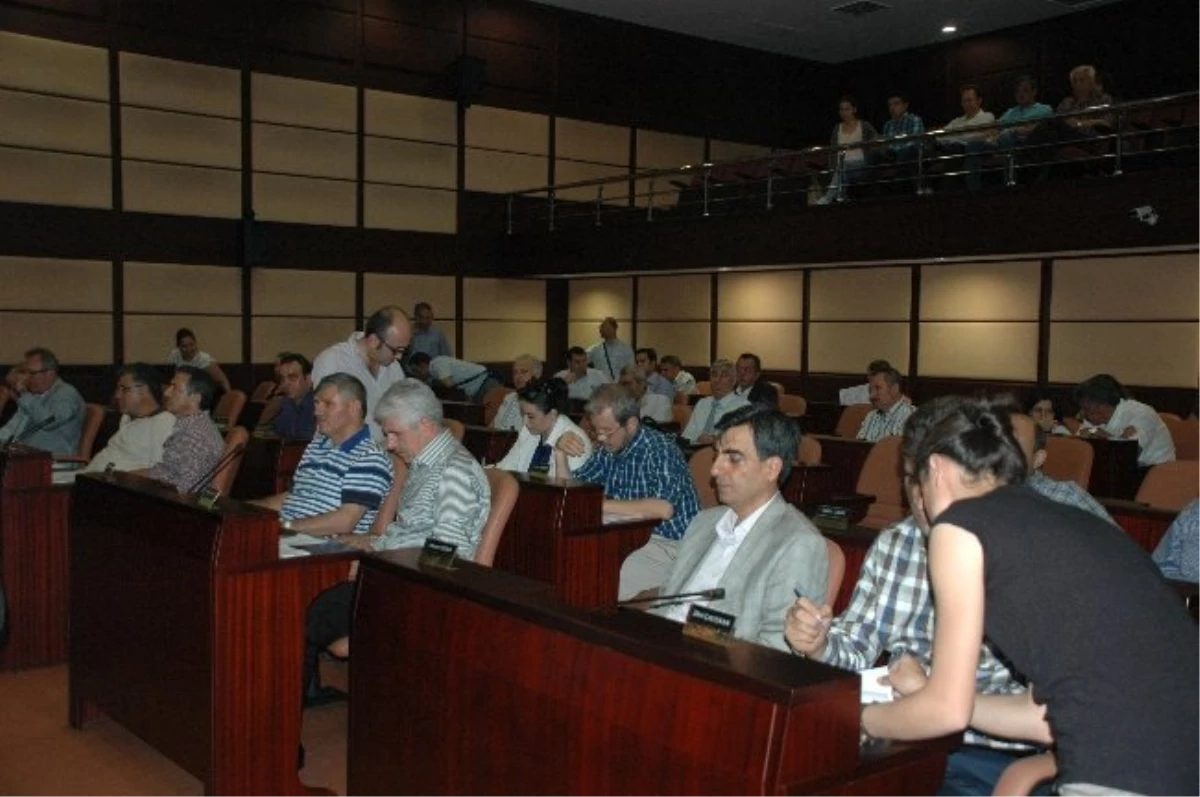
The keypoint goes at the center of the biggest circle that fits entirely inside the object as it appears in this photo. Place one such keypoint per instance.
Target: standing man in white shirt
(611, 354)
(1108, 413)
(372, 356)
(722, 375)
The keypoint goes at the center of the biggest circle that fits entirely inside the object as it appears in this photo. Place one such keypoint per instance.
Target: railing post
(1119, 147)
(705, 190)
(1010, 170)
(921, 165)
(550, 217)
(508, 205)
(650, 202)
(770, 182)
(599, 201)
(840, 176)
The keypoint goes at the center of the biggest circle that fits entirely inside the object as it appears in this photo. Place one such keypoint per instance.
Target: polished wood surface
(468, 412)
(821, 417)
(1145, 524)
(1115, 472)
(493, 686)
(486, 444)
(268, 465)
(556, 534)
(809, 486)
(33, 554)
(846, 457)
(188, 629)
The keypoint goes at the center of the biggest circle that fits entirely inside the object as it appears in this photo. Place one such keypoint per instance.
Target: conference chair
(1184, 434)
(223, 479)
(92, 420)
(456, 428)
(505, 489)
(704, 388)
(837, 571)
(1069, 459)
(1171, 485)
(850, 419)
(681, 414)
(881, 477)
(229, 408)
(263, 391)
(808, 452)
(492, 401)
(700, 465)
(792, 405)
(779, 388)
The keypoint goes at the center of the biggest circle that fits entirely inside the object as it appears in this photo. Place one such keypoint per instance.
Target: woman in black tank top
(1071, 601)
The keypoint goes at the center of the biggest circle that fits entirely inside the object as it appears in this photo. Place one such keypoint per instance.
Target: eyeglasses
(397, 351)
(606, 434)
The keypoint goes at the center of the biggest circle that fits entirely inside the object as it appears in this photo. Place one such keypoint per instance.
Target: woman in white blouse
(544, 407)
(849, 130)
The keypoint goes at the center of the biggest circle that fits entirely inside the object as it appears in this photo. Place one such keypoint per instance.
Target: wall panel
(777, 343)
(411, 163)
(512, 131)
(1139, 288)
(501, 341)
(503, 172)
(405, 290)
(180, 138)
(75, 338)
(302, 102)
(675, 298)
(35, 283)
(509, 299)
(313, 153)
(168, 287)
(730, 150)
(687, 340)
(302, 293)
(182, 190)
(41, 64)
(588, 141)
(53, 179)
(407, 116)
(150, 338)
(307, 336)
(166, 83)
(594, 299)
(615, 193)
(657, 150)
(861, 294)
(981, 291)
(304, 200)
(763, 296)
(35, 120)
(1135, 353)
(394, 207)
(587, 333)
(847, 347)
(980, 350)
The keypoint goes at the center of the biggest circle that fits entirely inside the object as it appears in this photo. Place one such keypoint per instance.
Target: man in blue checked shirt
(902, 123)
(644, 475)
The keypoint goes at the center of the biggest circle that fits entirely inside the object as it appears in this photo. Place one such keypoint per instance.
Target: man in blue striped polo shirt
(343, 476)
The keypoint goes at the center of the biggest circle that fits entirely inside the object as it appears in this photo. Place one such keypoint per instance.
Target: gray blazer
(782, 553)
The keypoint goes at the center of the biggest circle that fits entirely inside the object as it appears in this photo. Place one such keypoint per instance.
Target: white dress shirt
(1154, 439)
(583, 387)
(708, 411)
(657, 407)
(521, 454)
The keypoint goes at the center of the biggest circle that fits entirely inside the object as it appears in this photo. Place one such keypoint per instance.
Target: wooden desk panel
(487, 444)
(267, 468)
(1115, 472)
(33, 554)
(1146, 524)
(507, 691)
(467, 412)
(846, 457)
(809, 486)
(189, 630)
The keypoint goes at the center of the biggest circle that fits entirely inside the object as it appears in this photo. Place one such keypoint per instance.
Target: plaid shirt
(908, 125)
(1067, 492)
(649, 466)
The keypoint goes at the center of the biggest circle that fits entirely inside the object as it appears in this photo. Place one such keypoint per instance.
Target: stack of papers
(872, 690)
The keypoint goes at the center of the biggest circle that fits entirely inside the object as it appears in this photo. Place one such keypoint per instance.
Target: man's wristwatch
(286, 525)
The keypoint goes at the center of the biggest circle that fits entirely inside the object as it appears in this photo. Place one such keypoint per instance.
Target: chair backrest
(792, 405)
(680, 398)
(1184, 434)
(456, 428)
(229, 408)
(701, 467)
(1171, 485)
(779, 388)
(850, 419)
(269, 411)
(505, 489)
(93, 417)
(837, 570)
(1069, 459)
(881, 477)
(704, 388)
(681, 414)
(262, 391)
(809, 450)
(1169, 416)
(492, 401)
(223, 479)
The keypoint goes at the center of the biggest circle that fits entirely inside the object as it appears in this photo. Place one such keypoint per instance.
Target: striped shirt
(446, 496)
(878, 425)
(649, 466)
(330, 476)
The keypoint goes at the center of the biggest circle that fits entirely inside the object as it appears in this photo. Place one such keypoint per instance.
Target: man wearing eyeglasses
(145, 425)
(49, 411)
(372, 356)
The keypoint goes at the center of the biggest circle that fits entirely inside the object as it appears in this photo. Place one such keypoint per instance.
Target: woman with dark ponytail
(1071, 601)
(544, 405)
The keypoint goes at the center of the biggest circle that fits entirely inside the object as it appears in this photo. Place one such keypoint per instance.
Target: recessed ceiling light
(949, 29)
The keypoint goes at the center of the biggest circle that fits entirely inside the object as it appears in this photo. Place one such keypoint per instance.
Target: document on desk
(300, 544)
(872, 690)
(608, 518)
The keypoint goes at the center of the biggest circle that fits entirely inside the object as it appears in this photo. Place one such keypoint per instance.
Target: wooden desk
(188, 629)
(467, 412)
(487, 444)
(1115, 472)
(268, 464)
(846, 457)
(556, 534)
(1146, 524)
(33, 554)
(504, 690)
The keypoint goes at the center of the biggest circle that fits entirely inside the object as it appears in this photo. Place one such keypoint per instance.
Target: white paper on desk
(872, 690)
(64, 476)
(300, 538)
(611, 517)
(288, 552)
(859, 394)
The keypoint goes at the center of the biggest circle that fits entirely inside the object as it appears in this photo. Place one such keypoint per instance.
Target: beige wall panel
(75, 338)
(766, 296)
(1151, 286)
(687, 340)
(150, 338)
(685, 296)
(981, 292)
(304, 200)
(866, 294)
(174, 288)
(497, 128)
(501, 341)
(51, 179)
(302, 102)
(178, 138)
(307, 336)
(593, 299)
(657, 150)
(777, 343)
(589, 141)
(846, 348)
(41, 283)
(407, 116)
(294, 292)
(163, 83)
(29, 62)
(393, 207)
(1137, 354)
(184, 190)
(731, 150)
(502, 172)
(518, 300)
(54, 122)
(406, 290)
(411, 163)
(314, 153)
(979, 351)
(574, 171)
(587, 333)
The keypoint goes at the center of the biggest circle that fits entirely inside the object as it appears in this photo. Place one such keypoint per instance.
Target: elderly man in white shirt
(1108, 413)
(654, 406)
(722, 374)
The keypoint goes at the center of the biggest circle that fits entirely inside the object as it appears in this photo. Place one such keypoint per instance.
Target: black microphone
(25, 434)
(203, 481)
(715, 594)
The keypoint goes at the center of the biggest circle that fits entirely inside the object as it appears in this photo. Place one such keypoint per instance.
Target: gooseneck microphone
(211, 473)
(30, 431)
(658, 601)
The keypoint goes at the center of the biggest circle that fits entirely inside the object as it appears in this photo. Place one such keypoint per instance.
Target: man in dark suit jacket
(750, 384)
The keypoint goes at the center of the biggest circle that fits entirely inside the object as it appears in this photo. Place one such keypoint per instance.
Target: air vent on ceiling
(859, 8)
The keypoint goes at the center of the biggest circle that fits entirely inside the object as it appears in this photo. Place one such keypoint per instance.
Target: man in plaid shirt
(902, 123)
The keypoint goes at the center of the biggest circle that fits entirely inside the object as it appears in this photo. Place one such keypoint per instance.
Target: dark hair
(978, 435)
(850, 99)
(900, 95)
(298, 359)
(183, 332)
(883, 367)
(1099, 389)
(145, 375)
(419, 306)
(49, 361)
(875, 366)
(199, 384)
(349, 387)
(671, 359)
(924, 418)
(1040, 438)
(1038, 394)
(650, 353)
(749, 356)
(382, 320)
(571, 352)
(775, 434)
(971, 87)
(546, 395)
(1026, 78)
(420, 358)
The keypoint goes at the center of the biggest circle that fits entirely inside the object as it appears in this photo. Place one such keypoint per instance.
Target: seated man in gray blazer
(758, 547)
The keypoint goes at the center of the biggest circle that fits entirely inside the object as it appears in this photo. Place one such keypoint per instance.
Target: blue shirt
(1178, 553)
(296, 420)
(908, 125)
(649, 466)
(432, 341)
(1029, 113)
(59, 412)
(328, 476)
